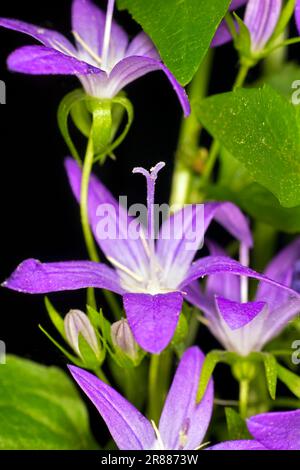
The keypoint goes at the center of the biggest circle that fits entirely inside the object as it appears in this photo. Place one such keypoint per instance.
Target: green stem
(87, 233)
(188, 144)
(100, 374)
(264, 245)
(241, 76)
(159, 380)
(243, 398)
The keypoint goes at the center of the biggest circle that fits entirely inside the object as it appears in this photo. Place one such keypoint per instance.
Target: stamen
(107, 32)
(158, 436)
(244, 260)
(87, 48)
(126, 270)
(57, 45)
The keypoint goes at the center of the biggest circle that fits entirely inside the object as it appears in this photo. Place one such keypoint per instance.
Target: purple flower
(151, 277)
(104, 60)
(182, 425)
(261, 18)
(271, 431)
(297, 15)
(244, 326)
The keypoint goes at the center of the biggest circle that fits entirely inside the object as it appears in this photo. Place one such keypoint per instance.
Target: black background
(39, 217)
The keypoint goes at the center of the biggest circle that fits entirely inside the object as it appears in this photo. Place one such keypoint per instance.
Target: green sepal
(286, 15)
(89, 358)
(242, 42)
(180, 335)
(270, 365)
(63, 113)
(56, 318)
(82, 118)
(127, 106)
(236, 425)
(101, 131)
(69, 356)
(210, 362)
(291, 380)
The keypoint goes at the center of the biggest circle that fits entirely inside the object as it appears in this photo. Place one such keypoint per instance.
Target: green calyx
(97, 119)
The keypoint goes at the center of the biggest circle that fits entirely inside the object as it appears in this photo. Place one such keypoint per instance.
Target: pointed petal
(231, 218)
(278, 319)
(261, 18)
(281, 269)
(238, 445)
(89, 22)
(34, 277)
(141, 45)
(102, 206)
(237, 314)
(47, 37)
(221, 264)
(153, 318)
(128, 427)
(221, 284)
(131, 68)
(40, 60)
(222, 35)
(277, 431)
(180, 237)
(183, 425)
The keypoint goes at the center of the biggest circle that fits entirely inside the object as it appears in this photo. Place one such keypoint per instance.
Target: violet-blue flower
(271, 431)
(182, 425)
(151, 275)
(261, 18)
(242, 326)
(104, 60)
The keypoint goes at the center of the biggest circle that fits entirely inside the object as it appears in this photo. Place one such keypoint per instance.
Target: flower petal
(221, 264)
(141, 45)
(34, 277)
(153, 318)
(183, 425)
(120, 246)
(88, 21)
(238, 445)
(221, 284)
(280, 269)
(277, 431)
(235, 4)
(40, 60)
(231, 218)
(279, 318)
(128, 427)
(176, 246)
(47, 37)
(131, 68)
(179, 239)
(261, 18)
(237, 314)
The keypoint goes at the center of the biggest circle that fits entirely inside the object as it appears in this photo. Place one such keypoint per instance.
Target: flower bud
(123, 339)
(77, 322)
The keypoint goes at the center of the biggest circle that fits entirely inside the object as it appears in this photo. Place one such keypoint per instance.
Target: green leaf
(283, 79)
(55, 317)
(291, 380)
(182, 30)
(237, 428)
(270, 364)
(40, 409)
(260, 128)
